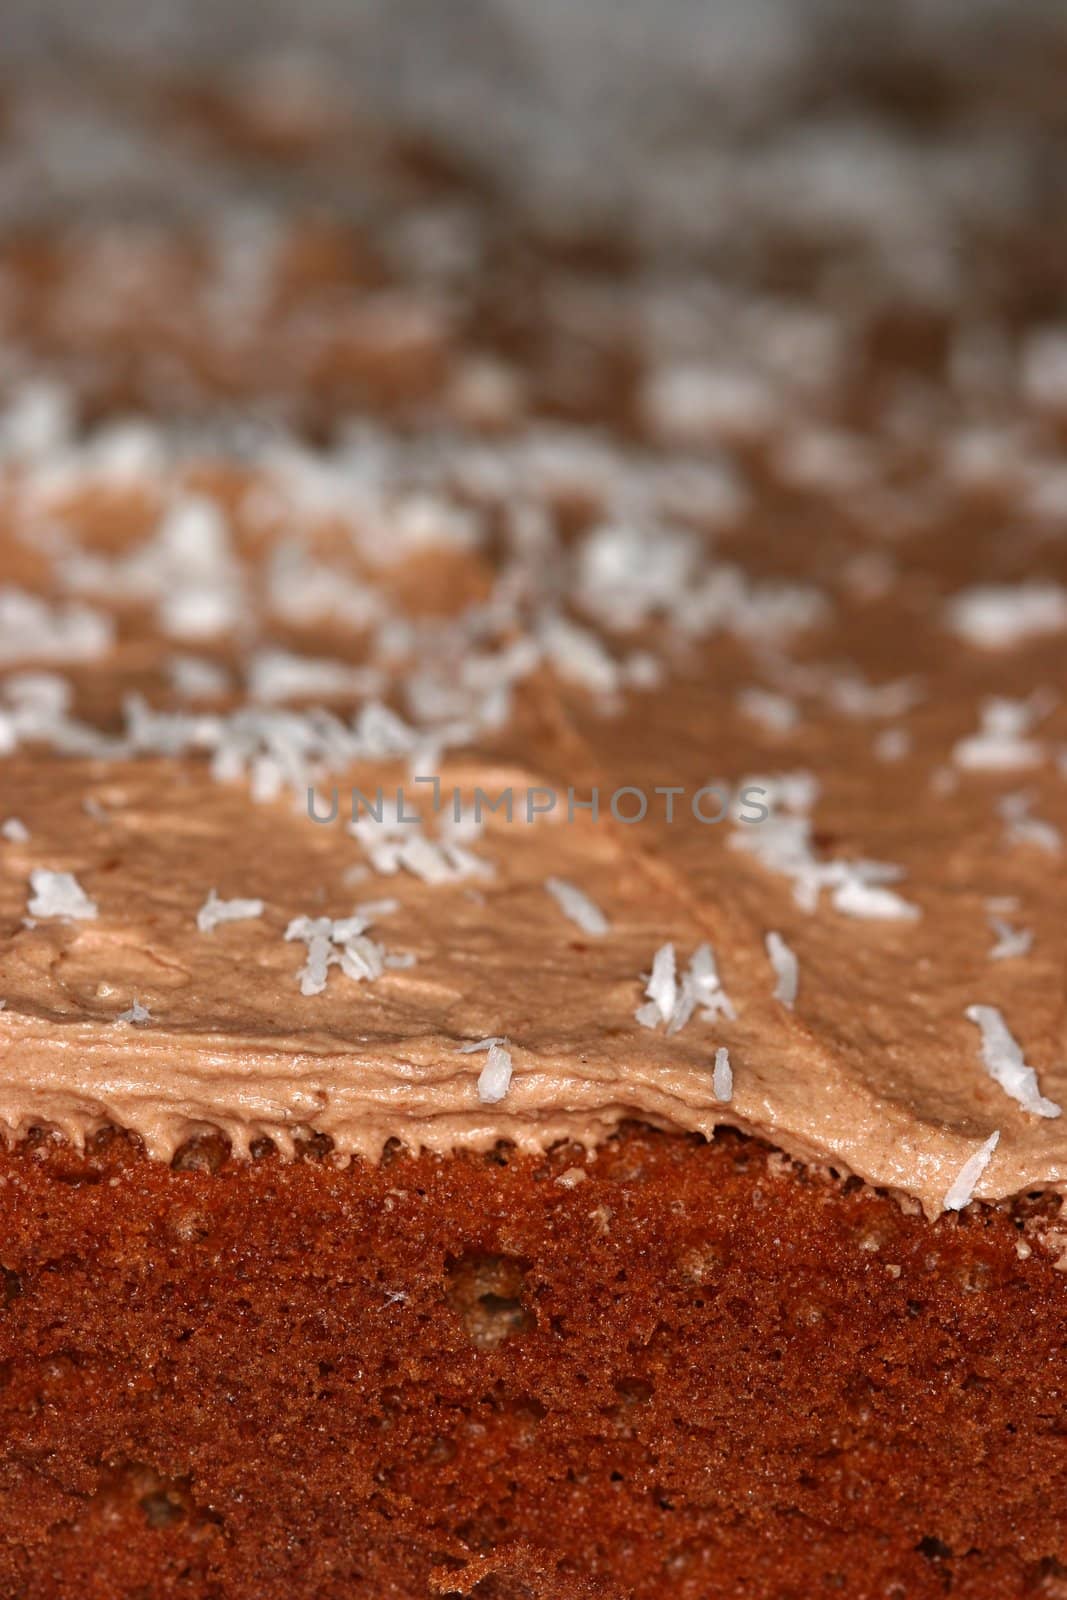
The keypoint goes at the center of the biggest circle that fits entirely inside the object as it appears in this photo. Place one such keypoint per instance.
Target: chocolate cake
(532, 791)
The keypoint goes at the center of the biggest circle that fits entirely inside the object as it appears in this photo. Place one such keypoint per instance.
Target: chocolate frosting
(875, 1071)
(738, 571)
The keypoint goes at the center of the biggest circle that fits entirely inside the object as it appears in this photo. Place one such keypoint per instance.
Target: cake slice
(532, 1058)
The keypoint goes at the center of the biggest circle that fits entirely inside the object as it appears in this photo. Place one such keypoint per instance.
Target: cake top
(457, 685)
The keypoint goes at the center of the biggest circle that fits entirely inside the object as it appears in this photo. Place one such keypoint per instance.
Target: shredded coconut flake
(397, 843)
(1010, 942)
(1001, 743)
(701, 989)
(1003, 1060)
(722, 1077)
(343, 942)
(853, 696)
(1000, 616)
(578, 655)
(14, 831)
(1022, 828)
(440, 862)
(32, 630)
(689, 403)
(578, 907)
(673, 1001)
(494, 1080)
(661, 990)
(892, 744)
(774, 712)
(197, 678)
(213, 911)
(278, 675)
(194, 572)
(872, 901)
(137, 1013)
(783, 843)
(962, 1191)
(59, 894)
(784, 962)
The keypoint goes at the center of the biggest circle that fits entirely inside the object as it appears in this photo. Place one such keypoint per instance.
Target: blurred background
(398, 351)
(687, 216)
(682, 117)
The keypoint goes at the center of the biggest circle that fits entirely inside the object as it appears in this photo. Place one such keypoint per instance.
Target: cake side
(672, 1365)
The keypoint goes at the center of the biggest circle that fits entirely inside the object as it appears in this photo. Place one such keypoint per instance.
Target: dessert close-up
(533, 800)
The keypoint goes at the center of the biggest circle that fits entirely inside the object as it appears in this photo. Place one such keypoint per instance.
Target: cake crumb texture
(703, 1371)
